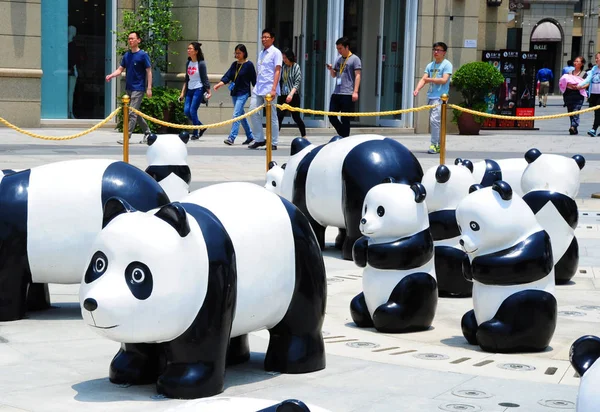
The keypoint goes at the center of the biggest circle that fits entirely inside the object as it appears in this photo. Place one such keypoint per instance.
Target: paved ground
(52, 362)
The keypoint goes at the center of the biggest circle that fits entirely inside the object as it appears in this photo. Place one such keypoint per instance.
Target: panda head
(493, 218)
(146, 277)
(393, 210)
(167, 150)
(552, 172)
(275, 177)
(446, 186)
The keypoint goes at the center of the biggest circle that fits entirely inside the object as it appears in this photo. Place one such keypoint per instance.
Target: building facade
(58, 53)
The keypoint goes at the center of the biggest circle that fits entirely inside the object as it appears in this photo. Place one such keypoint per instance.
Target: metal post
(443, 129)
(269, 98)
(125, 101)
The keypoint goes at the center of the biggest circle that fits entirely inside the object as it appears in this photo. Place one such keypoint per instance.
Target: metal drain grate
(518, 367)
(509, 405)
(403, 352)
(483, 363)
(386, 349)
(460, 360)
(431, 356)
(557, 404)
(550, 371)
(471, 393)
(589, 307)
(362, 345)
(464, 407)
(571, 313)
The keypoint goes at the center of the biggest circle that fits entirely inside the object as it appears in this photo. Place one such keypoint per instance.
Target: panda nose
(90, 304)
(462, 242)
(363, 221)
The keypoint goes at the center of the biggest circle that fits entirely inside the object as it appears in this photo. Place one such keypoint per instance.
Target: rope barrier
(69, 137)
(286, 106)
(497, 116)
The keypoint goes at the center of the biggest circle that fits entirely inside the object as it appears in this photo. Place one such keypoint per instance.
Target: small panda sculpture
(446, 186)
(399, 288)
(187, 283)
(512, 270)
(167, 163)
(275, 177)
(329, 183)
(551, 183)
(510, 170)
(50, 216)
(239, 404)
(583, 355)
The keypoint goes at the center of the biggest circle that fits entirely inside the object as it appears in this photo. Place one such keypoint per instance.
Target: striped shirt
(290, 78)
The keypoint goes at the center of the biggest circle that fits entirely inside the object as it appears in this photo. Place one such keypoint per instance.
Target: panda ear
(113, 207)
(532, 155)
(457, 161)
(442, 174)
(475, 187)
(468, 164)
(503, 189)
(283, 166)
(420, 192)
(335, 139)
(151, 139)
(298, 144)
(272, 164)
(580, 160)
(175, 215)
(389, 180)
(584, 352)
(184, 136)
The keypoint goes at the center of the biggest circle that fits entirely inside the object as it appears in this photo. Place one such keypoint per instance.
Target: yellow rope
(204, 126)
(73, 136)
(286, 106)
(497, 116)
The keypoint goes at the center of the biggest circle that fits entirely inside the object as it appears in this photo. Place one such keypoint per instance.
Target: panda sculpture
(511, 266)
(240, 404)
(274, 177)
(187, 283)
(583, 355)
(551, 183)
(49, 217)
(488, 171)
(329, 183)
(399, 288)
(167, 163)
(446, 186)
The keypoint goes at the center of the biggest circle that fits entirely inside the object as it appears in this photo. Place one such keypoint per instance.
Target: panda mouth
(104, 327)
(471, 251)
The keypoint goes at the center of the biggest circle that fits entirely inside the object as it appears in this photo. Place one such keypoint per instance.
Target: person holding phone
(196, 88)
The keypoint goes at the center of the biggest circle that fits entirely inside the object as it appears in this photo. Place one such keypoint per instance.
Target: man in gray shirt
(347, 82)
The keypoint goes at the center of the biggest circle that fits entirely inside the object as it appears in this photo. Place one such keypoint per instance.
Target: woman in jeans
(572, 96)
(291, 77)
(196, 83)
(241, 75)
(593, 81)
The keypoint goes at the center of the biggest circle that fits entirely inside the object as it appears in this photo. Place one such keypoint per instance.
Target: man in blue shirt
(544, 76)
(138, 78)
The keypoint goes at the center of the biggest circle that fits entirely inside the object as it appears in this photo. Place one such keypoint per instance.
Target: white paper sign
(471, 43)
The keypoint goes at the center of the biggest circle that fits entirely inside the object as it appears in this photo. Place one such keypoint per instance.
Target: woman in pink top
(572, 96)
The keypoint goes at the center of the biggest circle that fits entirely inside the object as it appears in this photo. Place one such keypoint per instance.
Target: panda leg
(13, 291)
(411, 305)
(339, 239)
(525, 322)
(360, 312)
(38, 297)
(469, 327)
(319, 233)
(449, 273)
(136, 364)
(566, 267)
(238, 351)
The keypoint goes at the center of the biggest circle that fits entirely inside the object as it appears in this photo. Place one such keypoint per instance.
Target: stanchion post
(125, 101)
(269, 98)
(443, 118)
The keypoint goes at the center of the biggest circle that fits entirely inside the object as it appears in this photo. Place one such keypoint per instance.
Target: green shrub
(474, 81)
(163, 105)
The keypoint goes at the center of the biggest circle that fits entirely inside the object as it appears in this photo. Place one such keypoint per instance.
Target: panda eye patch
(380, 211)
(274, 183)
(474, 226)
(139, 280)
(365, 208)
(97, 267)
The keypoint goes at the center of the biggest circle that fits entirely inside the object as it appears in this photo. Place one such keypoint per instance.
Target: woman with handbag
(196, 88)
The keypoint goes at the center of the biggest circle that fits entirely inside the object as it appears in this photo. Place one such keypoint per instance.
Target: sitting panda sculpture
(551, 183)
(49, 218)
(446, 186)
(187, 283)
(512, 270)
(328, 183)
(584, 355)
(167, 163)
(399, 288)
(274, 177)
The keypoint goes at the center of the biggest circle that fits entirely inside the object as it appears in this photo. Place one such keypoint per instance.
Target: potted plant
(474, 81)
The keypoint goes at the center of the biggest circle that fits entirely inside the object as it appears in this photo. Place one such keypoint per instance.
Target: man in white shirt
(268, 71)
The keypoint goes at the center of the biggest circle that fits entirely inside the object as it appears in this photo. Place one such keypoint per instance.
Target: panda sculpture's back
(49, 217)
(583, 355)
(188, 282)
(167, 163)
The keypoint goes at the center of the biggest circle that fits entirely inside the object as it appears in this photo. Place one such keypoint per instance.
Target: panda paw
(469, 327)
(136, 365)
(360, 312)
(359, 251)
(190, 381)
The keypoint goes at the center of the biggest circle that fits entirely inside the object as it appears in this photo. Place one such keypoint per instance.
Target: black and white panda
(49, 217)
(167, 163)
(488, 171)
(329, 183)
(188, 282)
(446, 186)
(399, 288)
(511, 266)
(584, 355)
(550, 183)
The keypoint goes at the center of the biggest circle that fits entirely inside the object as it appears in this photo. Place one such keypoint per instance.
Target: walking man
(437, 75)
(544, 76)
(268, 72)
(346, 72)
(138, 78)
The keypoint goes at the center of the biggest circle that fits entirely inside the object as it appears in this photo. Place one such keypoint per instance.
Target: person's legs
(544, 88)
(236, 113)
(594, 101)
(256, 118)
(346, 106)
(281, 113)
(435, 121)
(334, 106)
(296, 115)
(195, 99)
(575, 119)
(241, 102)
(274, 125)
(136, 102)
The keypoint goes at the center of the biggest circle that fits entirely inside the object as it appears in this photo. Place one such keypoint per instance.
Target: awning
(546, 31)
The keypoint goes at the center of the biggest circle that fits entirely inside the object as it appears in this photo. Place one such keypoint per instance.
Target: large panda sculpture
(399, 288)
(584, 355)
(512, 270)
(49, 217)
(187, 283)
(167, 163)
(329, 183)
(446, 186)
(551, 183)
